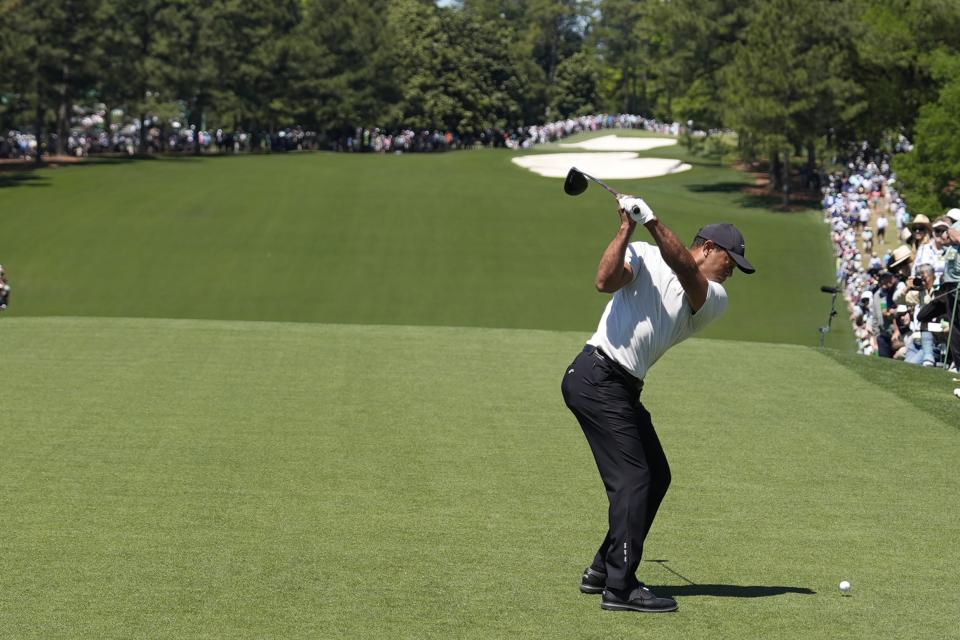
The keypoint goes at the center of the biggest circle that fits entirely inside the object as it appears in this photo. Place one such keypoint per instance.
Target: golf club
(576, 183)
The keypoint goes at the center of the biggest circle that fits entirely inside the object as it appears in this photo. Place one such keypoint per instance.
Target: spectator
(923, 241)
(4, 289)
(867, 237)
(883, 313)
(920, 342)
(945, 304)
(882, 228)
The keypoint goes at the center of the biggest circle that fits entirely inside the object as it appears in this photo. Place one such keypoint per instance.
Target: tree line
(792, 77)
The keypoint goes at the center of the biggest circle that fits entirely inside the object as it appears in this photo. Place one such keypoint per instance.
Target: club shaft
(602, 184)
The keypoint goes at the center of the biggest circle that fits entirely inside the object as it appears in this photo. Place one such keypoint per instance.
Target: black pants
(606, 401)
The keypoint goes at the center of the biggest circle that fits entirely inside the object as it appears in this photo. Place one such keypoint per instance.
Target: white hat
(954, 214)
(921, 221)
(902, 308)
(866, 295)
(900, 254)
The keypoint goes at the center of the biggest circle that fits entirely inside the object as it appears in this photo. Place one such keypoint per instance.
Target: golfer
(663, 294)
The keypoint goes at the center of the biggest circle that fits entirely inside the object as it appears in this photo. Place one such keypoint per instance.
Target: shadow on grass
(22, 179)
(720, 590)
(727, 590)
(25, 174)
(749, 200)
(718, 187)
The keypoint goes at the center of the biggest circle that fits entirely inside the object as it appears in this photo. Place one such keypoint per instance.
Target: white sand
(618, 143)
(621, 165)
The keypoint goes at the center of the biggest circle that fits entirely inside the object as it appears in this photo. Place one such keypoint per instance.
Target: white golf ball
(845, 586)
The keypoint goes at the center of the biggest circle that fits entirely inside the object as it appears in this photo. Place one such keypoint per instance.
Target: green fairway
(208, 479)
(456, 239)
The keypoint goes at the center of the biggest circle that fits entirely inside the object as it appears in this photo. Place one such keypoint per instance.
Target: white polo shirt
(652, 313)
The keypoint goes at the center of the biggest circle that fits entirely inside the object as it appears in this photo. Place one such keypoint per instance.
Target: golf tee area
(317, 396)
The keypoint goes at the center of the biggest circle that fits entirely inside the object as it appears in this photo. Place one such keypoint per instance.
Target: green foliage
(576, 90)
(789, 80)
(897, 53)
(452, 70)
(340, 63)
(694, 41)
(930, 174)
(817, 74)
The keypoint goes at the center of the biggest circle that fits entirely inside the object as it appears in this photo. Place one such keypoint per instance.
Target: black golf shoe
(592, 581)
(639, 599)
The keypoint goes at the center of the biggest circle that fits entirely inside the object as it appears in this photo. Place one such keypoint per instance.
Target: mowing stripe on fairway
(456, 239)
(200, 479)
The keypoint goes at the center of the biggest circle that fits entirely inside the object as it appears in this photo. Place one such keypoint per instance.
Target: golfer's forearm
(676, 255)
(610, 272)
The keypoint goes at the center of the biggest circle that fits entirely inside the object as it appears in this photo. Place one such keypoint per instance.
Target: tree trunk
(775, 170)
(786, 176)
(644, 106)
(198, 116)
(62, 126)
(62, 113)
(38, 125)
(142, 138)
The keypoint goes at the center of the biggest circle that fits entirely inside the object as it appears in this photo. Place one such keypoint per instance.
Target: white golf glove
(638, 210)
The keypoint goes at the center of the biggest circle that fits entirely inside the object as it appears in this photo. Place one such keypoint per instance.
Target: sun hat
(943, 222)
(728, 237)
(921, 221)
(954, 214)
(900, 254)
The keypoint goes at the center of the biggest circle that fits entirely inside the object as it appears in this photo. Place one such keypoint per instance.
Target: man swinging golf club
(663, 294)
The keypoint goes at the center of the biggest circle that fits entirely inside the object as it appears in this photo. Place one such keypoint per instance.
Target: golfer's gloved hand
(638, 210)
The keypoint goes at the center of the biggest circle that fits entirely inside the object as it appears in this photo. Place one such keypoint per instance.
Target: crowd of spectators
(92, 134)
(82, 142)
(385, 141)
(4, 289)
(900, 287)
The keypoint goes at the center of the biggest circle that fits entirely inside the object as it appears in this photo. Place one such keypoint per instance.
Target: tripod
(833, 311)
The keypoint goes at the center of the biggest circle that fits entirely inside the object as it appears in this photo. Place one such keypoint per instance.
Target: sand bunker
(606, 166)
(618, 143)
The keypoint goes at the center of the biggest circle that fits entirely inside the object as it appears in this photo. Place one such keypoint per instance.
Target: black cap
(728, 237)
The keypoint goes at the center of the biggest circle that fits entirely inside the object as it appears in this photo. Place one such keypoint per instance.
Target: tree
(576, 90)
(254, 62)
(453, 70)
(789, 79)
(138, 55)
(343, 48)
(52, 53)
(897, 52)
(624, 39)
(929, 175)
(692, 41)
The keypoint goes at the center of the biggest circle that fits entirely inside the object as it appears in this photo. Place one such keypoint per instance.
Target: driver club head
(575, 182)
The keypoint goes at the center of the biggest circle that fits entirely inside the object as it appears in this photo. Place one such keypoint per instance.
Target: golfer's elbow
(607, 284)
